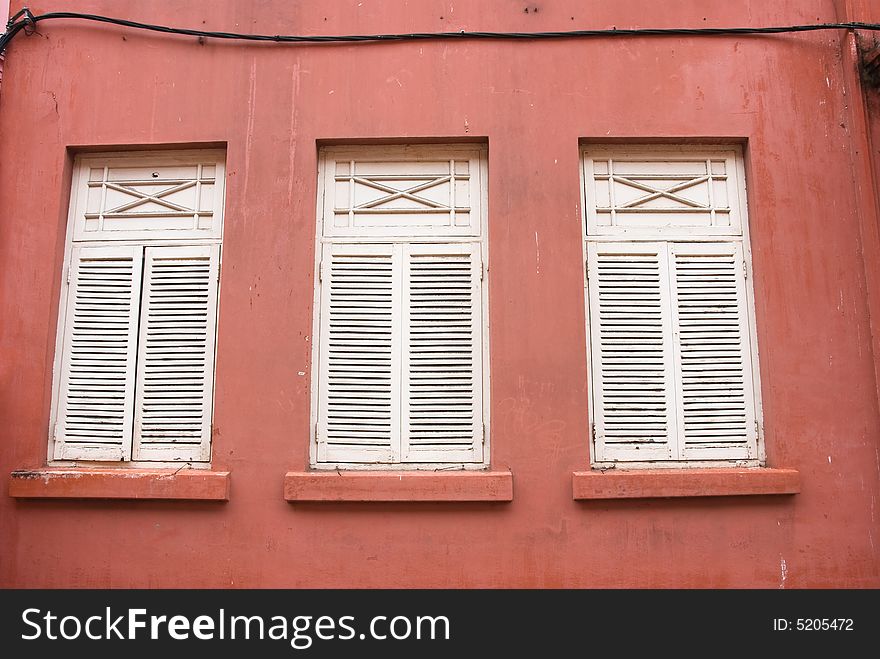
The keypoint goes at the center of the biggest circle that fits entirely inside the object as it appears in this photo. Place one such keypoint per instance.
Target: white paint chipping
(537, 255)
(249, 135)
(292, 130)
(783, 572)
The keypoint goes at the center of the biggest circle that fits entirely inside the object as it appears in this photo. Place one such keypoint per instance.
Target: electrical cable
(25, 20)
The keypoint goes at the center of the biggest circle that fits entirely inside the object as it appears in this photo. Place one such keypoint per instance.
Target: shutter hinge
(317, 431)
(69, 268)
(745, 269)
(757, 429)
(321, 272)
(594, 432)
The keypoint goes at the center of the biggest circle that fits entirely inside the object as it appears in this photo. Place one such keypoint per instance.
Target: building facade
(598, 311)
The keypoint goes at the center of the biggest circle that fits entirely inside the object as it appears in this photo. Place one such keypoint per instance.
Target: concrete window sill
(183, 484)
(665, 483)
(302, 486)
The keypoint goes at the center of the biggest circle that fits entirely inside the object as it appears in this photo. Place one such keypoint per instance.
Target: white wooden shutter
(175, 371)
(359, 364)
(716, 411)
(442, 354)
(96, 392)
(631, 351)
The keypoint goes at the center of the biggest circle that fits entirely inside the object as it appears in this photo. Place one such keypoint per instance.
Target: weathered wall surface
(76, 85)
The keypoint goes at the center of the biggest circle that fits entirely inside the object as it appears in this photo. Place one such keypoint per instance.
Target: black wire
(25, 19)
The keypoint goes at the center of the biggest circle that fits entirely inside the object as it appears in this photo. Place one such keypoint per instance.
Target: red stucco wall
(75, 85)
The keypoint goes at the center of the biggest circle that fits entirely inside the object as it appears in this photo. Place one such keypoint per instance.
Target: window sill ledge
(665, 483)
(146, 484)
(304, 486)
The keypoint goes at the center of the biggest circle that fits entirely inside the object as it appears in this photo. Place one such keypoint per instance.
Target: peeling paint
(249, 136)
(537, 255)
(292, 129)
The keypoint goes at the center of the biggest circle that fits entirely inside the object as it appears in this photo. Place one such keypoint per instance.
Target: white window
(134, 368)
(400, 308)
(673, 357)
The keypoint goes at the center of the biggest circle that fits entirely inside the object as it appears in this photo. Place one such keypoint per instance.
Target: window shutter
(175, 372)
(359, 369)
(442, 354)
(713, 352)
(632, 361)
(93, 420)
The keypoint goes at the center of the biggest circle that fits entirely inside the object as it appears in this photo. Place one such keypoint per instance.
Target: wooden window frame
(155, 238)
(477, 153)
(591, 233)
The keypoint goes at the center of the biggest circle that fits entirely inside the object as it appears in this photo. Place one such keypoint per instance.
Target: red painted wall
(74, 85)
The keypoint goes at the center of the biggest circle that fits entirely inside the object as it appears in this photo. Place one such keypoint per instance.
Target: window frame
(414, 151)
(683, 235)
(81, 163)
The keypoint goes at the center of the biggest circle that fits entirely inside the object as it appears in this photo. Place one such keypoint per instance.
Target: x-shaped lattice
(656, 193)
(144, 197)
(409, 193)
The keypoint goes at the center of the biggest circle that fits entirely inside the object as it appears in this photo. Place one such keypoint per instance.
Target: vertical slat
(716, 407)
(359, 370)
(93, 420)
(175, 372)
(442, 354)
(631, 356)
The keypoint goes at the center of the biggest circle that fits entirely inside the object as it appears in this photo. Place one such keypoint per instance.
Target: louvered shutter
(442, 354)
(632, 361)
(175, 371)
(359, 369)
(713, 352)
(93, 420)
